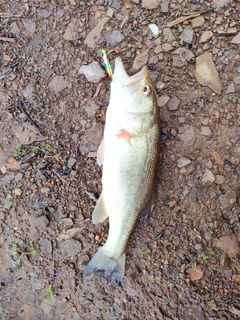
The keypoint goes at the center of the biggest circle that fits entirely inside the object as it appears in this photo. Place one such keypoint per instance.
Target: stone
(198, 22)
(130, 291)
(229, 244)
(114, 37)
(182, 162)
(208, 177)
(46, 247)
(184, 53)
(18, 177)
(14, 28)
(205, 131)
(110, 13)
(173, 103)
(44, 13)
(206, 73)
(187, 135)
(75, 137)
(58, 84)
(220, 3)
(162, 101)
(228, 199)
(167, 47)
(94, 35)
(140, 61)
(17, 191)
(229, 32)
(115, 4)
(71, 162)
(91, 139)
(93, 72)
(236, 39)
(167, 35)
(91, 108)
(165, 114)
(187, 35)
(206, 36)
(158, 49)
(164, 6)
(230, 88)
(149, 4)
(71, 247)
(154, 28)
(220, 179)
(29, 25)
(39, 223)
(71, 32)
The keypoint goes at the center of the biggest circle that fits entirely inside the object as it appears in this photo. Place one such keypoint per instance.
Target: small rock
(182, 162)
(173, 103)
(220, 179)
(91, 139)
(228, 199)
(71, 32)
(158, 49)
(206, 36)
(162, 101)
(229, 244)
(130, 291)
(75, 137)
(198, 22)
(44, 13)
(208, 177)
(187, 135)
(208, 164)
(205, 131)
(167, 47)
(196, 273)
(110, 13)
(206, 73)
(71, 247)
(71, 162)
(94, 35)
(114, 37)
(164, 6)
(45, 190)
(187, 35)
(184, 53)
(236, 80)
(229, 32)
(39, 223)
(93, 72)
(29, 25)
(230, 88)
(46, 247)
(140, 61)
(165, 114)
(18, 177)
(167, 35)
(149, 4)
(14, 28)
(220, 3)
(58, 83)
(67, 221)
(115, 4)
(236, 39)
(154, 28)
(18, 191)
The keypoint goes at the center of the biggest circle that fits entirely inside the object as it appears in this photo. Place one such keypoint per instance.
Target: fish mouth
(120, 74)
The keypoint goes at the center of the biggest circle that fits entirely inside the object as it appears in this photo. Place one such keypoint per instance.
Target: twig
(9, 15)
(91, 196)
(7, 39)
(20, 107)
(61, 178)
(182, 19)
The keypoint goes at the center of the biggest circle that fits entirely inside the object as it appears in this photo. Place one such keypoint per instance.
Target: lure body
(106, 64)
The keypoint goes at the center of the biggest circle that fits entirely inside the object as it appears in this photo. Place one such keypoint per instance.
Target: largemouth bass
(129, 155)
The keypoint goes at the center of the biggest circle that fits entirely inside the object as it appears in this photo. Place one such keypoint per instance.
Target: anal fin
(100, 153)
(99, 212)
(148, 209)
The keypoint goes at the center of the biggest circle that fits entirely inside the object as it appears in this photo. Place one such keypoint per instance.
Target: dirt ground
(183, 263)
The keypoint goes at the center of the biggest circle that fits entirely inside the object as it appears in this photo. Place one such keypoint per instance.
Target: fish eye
(102, 54)
(146, 90)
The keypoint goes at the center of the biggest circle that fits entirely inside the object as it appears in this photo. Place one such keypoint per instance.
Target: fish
(106, 64)
(128, 155)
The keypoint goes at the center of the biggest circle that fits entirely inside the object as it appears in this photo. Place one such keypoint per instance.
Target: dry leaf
(217, 157)
(195, 273)
(69, 234)
(12, 164)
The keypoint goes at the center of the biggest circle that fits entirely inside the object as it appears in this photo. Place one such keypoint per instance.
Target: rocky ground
(184, 262)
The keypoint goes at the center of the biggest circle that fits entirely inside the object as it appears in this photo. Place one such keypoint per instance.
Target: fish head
(133, 98)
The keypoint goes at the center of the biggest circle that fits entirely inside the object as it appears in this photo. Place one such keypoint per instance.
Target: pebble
(29, 25)
(91, 139)
(187, 135)
(114, 37)
(164, 6)
(229, 32)
(44, 13)
(140, 61)
(206, 36)
(93, 72)
(75, 137)
(94, 35)
(115, 4)
(206, 73)
(71, 247)
(71, 32)
(220, 179)
(158, 49)
(149, 4)
(58, 83)
(167, 35)
(228, 199)
(230, 88)
(198, 22)
(173, 103)
(162, 100)
(165, 114)
(71, 162)
(154, 28)
(205, 131)
(167, 47)
(182, 162)
(208, 177)
(18, 177)
(91, 108)
(208, 164)
(130, 291)
(18, 191)
(187, 35)
(236, 39)
(229, 244)
(46, 246)
(67, 221)
(39, 223)
(185, 53)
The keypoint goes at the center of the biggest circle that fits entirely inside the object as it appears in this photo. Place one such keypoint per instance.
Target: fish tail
(102, 264)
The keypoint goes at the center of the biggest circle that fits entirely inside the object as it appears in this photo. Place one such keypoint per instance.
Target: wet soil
(183, 262)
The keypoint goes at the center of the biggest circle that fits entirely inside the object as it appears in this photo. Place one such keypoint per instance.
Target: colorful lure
(106, 63)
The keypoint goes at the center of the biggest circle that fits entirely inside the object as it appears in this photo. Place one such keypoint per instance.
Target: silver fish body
(129, 155)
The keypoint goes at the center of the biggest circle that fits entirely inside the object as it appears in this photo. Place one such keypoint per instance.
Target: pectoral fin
(100, 153)
(148, 209)
(99, 212)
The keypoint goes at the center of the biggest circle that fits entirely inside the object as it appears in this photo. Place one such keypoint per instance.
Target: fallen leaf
(236, 278)
(69, 234)
(12, 164)
(195, 273)
(217, 157)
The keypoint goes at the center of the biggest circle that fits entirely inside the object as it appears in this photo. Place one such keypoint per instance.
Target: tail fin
(102, 264)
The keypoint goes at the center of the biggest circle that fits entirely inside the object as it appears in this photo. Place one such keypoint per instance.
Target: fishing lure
(106, 63)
